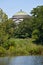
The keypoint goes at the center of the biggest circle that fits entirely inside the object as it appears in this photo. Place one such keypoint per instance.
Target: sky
(10, 7)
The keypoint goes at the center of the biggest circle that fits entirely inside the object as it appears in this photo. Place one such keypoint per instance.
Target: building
(19, 16)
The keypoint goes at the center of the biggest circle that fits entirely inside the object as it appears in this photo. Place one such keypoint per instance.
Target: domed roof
(21, 13)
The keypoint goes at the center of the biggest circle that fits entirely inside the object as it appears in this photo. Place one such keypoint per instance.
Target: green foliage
(8, 43)
(6, 30)
(36, 34)
(12, 34)
(11, 51)
(24, 29)
(2, 51)
(23, 47)
(3, 16)
(37, 14)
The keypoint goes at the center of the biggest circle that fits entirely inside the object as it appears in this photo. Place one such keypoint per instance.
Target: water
(22, 60)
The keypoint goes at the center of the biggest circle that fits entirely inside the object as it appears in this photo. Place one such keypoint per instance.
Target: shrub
(11, 51)
(2, 51)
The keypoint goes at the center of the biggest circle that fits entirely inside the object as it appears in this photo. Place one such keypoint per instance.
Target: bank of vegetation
(25, 38)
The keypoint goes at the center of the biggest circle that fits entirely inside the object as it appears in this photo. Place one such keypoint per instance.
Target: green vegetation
(19, 47)
(25, 38)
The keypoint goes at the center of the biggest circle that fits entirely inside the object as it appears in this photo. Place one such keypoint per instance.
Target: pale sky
(10, 7)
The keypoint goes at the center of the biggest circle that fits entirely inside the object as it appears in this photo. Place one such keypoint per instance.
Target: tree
(6, 30)
(37, 14)
(10, 27)
(24, 29)
(36, 35)
(3, 19)
(7, 27)
(3, 16)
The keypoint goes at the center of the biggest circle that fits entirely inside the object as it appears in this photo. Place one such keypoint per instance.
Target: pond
(22, 60)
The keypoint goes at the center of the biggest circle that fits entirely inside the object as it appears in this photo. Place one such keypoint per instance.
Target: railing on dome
(20, 16)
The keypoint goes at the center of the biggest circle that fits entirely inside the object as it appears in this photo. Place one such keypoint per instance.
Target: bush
(11, 51)
(2, 51)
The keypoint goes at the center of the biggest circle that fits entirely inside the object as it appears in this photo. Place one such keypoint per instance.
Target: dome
(21, 13)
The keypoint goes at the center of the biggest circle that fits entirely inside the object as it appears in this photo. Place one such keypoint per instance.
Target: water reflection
(22, 60)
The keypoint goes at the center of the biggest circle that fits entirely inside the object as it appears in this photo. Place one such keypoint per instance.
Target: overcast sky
(10, 7)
